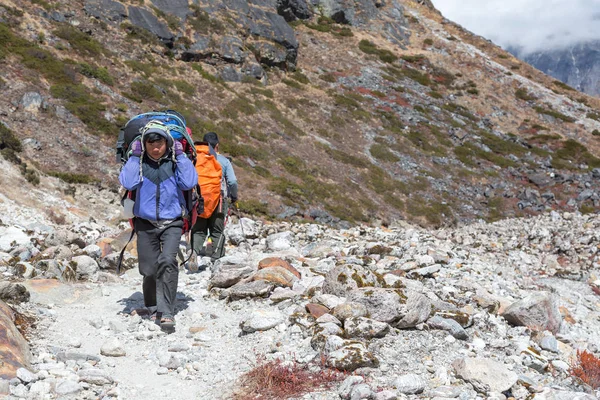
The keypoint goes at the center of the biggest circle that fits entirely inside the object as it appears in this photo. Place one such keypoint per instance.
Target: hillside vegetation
(364, 114)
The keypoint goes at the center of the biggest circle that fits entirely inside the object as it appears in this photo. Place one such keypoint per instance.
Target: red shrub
(587, 368)
(277, 379)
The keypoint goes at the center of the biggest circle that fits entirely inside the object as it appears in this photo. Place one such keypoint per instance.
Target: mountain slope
(359, 112)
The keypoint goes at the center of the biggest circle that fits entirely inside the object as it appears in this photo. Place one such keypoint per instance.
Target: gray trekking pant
(215, 226)
(157, 256)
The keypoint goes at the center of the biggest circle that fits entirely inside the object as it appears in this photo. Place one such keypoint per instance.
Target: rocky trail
(485, 311)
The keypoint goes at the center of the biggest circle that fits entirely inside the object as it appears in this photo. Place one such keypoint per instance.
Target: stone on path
(351, 357)
(271, 262)
(13, 292)
(250, 289)
(485, 375)
(449, 325)
(261, 320)
(280, 241)
(410, 384)
(94, 376)
(67, 386)
(538, 311)
(112, 348)
(367, 328)
(276, 275)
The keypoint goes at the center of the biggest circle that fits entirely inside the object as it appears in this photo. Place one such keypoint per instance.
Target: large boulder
(12, 237)
(365, 328)
(178, 8)
(107, 10)
(14, 350)
(485, 375)
(142, 18)
(538, 311)
(261, 320)
(343, 279)
(13, 292)
(86, 267)
(383, 305)
(351, 357)
(291, 10)
(280, 241)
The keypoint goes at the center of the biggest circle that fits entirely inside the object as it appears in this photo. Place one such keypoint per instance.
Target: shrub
(292, 83)
(184, 87)
(201, 21)
(563, 85)
(172, 21)
(87, 107)
(206, 75)
(460, 110)
(81, 42)
(8, 140)
(417, 76)
(253, 207)
(146, 90)
(381, 152)
(263, 92)
(73, 178)
(138, 66)
(435, 94)
(370, 48)
(572, 154)
(99, 73)
(328, 77)
(47, 6)
(587, 368)
(596, 132)
(300, 77)
(593, 115)
(554, 114)
(523, 94)
(143, 35)
(428, 42)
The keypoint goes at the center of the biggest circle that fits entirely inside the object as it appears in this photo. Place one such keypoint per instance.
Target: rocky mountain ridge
(576, 66)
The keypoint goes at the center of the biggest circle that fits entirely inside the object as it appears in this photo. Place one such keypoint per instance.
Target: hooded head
(156, 139)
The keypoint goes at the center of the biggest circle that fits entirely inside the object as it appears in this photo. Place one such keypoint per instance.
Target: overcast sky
(532, 24)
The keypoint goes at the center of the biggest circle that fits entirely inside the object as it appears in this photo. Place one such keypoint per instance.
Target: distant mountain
(578, 66)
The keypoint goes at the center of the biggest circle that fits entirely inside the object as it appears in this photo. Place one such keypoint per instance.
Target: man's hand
(177, 148)
(136, 148)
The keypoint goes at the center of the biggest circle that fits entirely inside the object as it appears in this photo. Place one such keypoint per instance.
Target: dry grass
(277, 379)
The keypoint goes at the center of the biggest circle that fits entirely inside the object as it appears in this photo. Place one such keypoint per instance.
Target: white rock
(67, 386)
(26, 375)
(346, 387)
(409, 384)
(261, 320)
(112, 348)
(19, 391)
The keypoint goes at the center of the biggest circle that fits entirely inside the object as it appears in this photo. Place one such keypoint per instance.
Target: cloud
(529, 24)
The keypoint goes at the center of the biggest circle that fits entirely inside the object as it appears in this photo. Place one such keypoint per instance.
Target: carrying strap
(120, 261)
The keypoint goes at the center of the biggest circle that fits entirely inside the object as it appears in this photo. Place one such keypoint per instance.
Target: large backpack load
(210, 174)
(132, 131)
(175, 123)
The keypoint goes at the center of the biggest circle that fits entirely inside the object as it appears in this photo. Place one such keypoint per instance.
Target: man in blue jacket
(158, 170)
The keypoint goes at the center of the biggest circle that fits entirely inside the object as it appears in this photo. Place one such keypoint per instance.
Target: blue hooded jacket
(159, 184)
